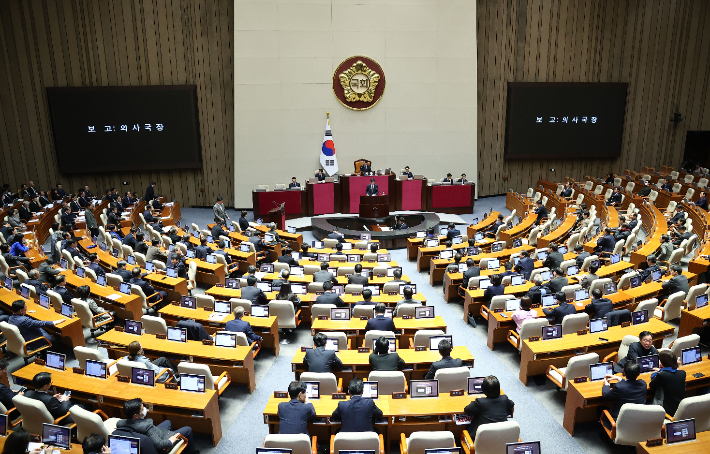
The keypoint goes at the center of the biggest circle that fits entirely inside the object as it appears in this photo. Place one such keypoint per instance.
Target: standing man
(220, 212)
(150, 193)
(541, 212)
(372, 188)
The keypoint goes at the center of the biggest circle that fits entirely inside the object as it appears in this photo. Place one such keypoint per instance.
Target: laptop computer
(125, 288)
(145, 377)
(599, 370)
(133, 327)
(572, 270)
(332, 344)
(55, 360)
(548, 300)
(124, 445)
(562, 249)
(192, 382)
(96, 369)
(80, 271)
(478, 237)
(639, 317)
(177, 334)
(493, 264)
(228, 340)
(390, 271)
(67, 310)
(691, 355)
(312, 389)
(446, 254)
(517, 280)
(657, 275)
(278, 450)
(701, 301)
(609, 288)
(3, 425)
(231, 283)
(457, 240)
(223, 307)
(369, 390)
(635, 281)
(171, 272)
(680, 431)
(475, 385)
(496, 247)
(55, 435)
(442, 451)
(424, 312)
(541, 255)
(581, 295)
(434, 341)
(614, 259)
(527, 447)
(647, 363)
(551, 332)
(484, 283)
(189, 302)
(101, 280)
(424, 388)
(384, 257)
(598, 325)
(339, 313)
(267, 268)
(260, 311)
(264, 286)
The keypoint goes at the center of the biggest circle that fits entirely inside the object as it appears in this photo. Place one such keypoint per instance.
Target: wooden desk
(652, 289)
(692, 322)
(127, 307)
(267, 328)
(483, 224)
(425, 254)
(519, 230)
(74, 448)
(584, 398)
(237, 362)
(70, 331)
(355, 328)
(473, 299)
(110, 394)
(413, 245)
(537, 356)
(560, 233)
(690, 447)
(437, 268)
(653, 222)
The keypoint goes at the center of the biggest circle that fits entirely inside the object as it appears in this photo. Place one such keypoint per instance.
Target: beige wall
(284, 57)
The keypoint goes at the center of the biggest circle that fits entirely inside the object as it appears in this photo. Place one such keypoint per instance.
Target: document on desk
(260, 275)
(385, 229)
(114, 296)
(217, 316)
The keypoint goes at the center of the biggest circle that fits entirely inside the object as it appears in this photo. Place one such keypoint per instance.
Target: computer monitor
(318, 245)
(446, 254)
(80, 271)
(496, 247)
(420, 235)
(243, 247)
(55, 360)
(264, 286)
(517, 242)
(392, 344)
(639, 317)
(581, 295)
(657, 275)
(462, 267)
(690, 355)
(562, 249)
(572, 270)
(260, 311)
(541, 255)
(177, 334)
(323, 257)
(231, 283)
(141, 376)
(267, 268)
(101, 280)
(299, 289)
(210, 258)
(223, 307)
(432, 242)
(424, 312)
(55, 435)
(124, 445)
(369, 390)
(125, 288)
(517, 280)
(290, 229)
(635, 281)
(332, 344)
(477, 237)
(403, 286)
(680, 431)
(269, 238)
(384, 257)
(24, 291)
(228, 340)
(493, 264)
(133, 327)
(278, 451)
(545, 275)
(434, 341)
(614, 258)
(131, 260)
(484, 283)
(189, 302)
(67, 310)
(340, 313)
(171, 272)
(599, 370)
(458, 240)
(475, 385)
(390, 271)
(512, 305)
(192, 382)
(347, 246)
(96, 369)
(44, 300)
(424, 388)
(63, 262)
(3, 425)
(296, 271)
(548, 300)
(598, 325)
(609, 288)
(312, 389)
(527, 447)
(191, 254)
(701, 300)
(339, 289)
(373, 288)
(551, 332)
(443, 231)
(647, 363)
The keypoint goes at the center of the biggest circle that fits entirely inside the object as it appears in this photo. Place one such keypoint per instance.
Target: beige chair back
(376, 334)
(419, 442)
(574, 322)
(637, 423)
(185, 367)
(452, 378)
(328, 382)
(297, 443)
(681, 343)
(88, 423)
(318, 310)
(421, 337)
(284, 312)
(388, 382)
(492, 437)
(33, 412)
(672, 307)
(531, 327)
(15, 341)
(363, 310)
(356, 441)
(624, 347)
(154, 325)
(697, 407)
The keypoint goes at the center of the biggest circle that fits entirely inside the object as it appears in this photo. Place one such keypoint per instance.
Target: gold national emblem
(359, 82)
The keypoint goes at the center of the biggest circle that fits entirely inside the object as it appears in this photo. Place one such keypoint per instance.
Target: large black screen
(102, 129)
(564, 120)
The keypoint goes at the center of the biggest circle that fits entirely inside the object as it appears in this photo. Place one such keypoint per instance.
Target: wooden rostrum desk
(197, 410)
(355, 328)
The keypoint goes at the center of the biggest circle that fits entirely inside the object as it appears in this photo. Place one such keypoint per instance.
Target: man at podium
(372, 188)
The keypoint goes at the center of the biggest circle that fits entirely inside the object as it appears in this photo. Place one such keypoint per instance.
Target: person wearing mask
(677, 283)
(494, 407)
(643, 347)
(555, 258)
(558, 281)
(356, 414)
(525, 265)
(380, 322)
(524, 313)
(135, 353)
(645, 191)
(446, 360)
(599, 306)
(240, 326)
(631, 390)
(329, 297)
(57, 404)
(407, 293)
(357, 278)
(560, 312)
(295, 414)
(670, 379)
(541, 212)
(471, 271)
(318, 359)
(382, 359)
(496, 288)
(162, 435)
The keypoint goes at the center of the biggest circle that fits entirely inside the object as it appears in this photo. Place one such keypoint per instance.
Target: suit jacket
(54, 406)
(372, 189)
(240, 326)
(145, 286)
(526, 266)
(322, 276)
(320, 176)
(625, 392)
(294, 185)
(47, 273)
(180, 269)
(159, 436)
(366, 168)
(96, 268)
(141, 247)
(220, 212)
(330, 298)
(154, 253)
(614, 198)
(567, 192)
(673, 386)
(636, 350)
(380, 323)
(606, 243)
(243, 223)
(389, 361)
(553, 260)
(599, 308)
(645, 274)
(113, 219)
(681, 237)
(130, 240)
(64, 293)
(6, 396)
(149, 194)
(357, 414)
(541, 213)
(287, 259)
(357, 279)
(253, 294)
(677, 284)
(321, 360)
(486, 410)
(258, 244)
(474, 271)
(493, 290)
(644, 191)
(560, 312)
(579, 261)
(125, 274)
(588, 279)
(702, 202)
(444, 363)
(294, 416)
(556, 284)
(217, 232)
(453, 233)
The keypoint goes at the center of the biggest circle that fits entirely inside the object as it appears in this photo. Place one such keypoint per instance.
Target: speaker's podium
(374, 206)
(277, 216)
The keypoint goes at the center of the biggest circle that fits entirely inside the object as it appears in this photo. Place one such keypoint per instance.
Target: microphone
(276, 204)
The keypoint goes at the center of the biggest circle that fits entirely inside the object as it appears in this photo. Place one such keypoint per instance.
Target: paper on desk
(114, 296)
(385, 229)
(260, 275)
(217, 316)
(169, 204)
(165, 217)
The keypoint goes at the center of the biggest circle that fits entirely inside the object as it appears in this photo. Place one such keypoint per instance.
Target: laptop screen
(434, 341)
(484, 283)
(528, 447)
(462, 267)
(424, 312)
(691, 355)
(424, 388)
(55, 360)
(635, 281)
(80, 271)
(614, 259)
(639, 317)
(442, 451)
(332, 344)
(683, 430)
(421, 234)
(125, 288)
(374, 289)
(193, 383)
(599, 370)
(299, 289)
(478, 237)
(171, 272)
(517, 242)
(548, 300)
(701, 300)
(189, 302)
(323, 257)
(517, 280)
(225, 340)
(44, 300)
(545, 275)
(657, 275)
(446, 254)
(143, 376)
(67, 310)
(598, 325)
(210, 258)
(242, 248)
(101, 280)
(384, 257)
(562, 249)
(572, 270)
(648, 363)
(131, 260)
(290, 229)
(133, 327)
(541, 255)
(269, 238)
(312, 389)
(512, 305)
(297, 271)
(388, 312)
(177, 334)
(369, 390)
(59, 436)
(390, 271)
(337, 313)
(24, 291)
(475, 385)
(459, 240)
(403, 286)
(231, 283)
(493, 264)
(124, 445)
(551, 332)
(260, 311)
(580, 295)
(443, 231)
(610, 288)
(264, 286)
(3, 425)
(223, 307)
(392, 345)
(95, 369)
(318, 245)
(267, 268)
(432, 243)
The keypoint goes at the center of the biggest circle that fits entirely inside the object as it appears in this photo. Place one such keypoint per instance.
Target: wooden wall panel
(660, 48)
(57, 43)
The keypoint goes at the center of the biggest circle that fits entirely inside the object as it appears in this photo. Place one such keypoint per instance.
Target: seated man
(336, 235)
(581, 255)
(218, 231)
(508, 270)
(561, 311)
(121, 270)
(240, 326)
(683, 234)
(446, 360)
(366, 298)
(599, 306)
(202, 251)
(471, 271)
(525, 265)
(29, 327)
(252, 293)
(496, 288)
(295, 414)
(652, 266)
(558, 281)
(407, 173)
(96, 444)
(130, 239)
(328, 296)
(57, 404)
(400, 224)
(408, 293)
(606, 243)
(356, 414)
(495, 407)
(294, 184)
(286, 258)
(141, 246)
(554, 259)
(380, 322)
(677, 283)
(62, 290)
(615, 198)
(567, 191)
(318, 359)
(463, 179)
(357, 278)
(283, 279)
(95, 266)
(176, 263)
(162, 435)
(587, 280)
(702, 201)
(452, 232)
(148, 290)
(631, 390)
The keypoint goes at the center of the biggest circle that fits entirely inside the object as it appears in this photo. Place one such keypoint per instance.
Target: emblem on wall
(358, 83)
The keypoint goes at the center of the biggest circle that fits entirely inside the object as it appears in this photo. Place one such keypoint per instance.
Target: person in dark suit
(366, 299)
(62, 290)
(294, 184)
(57, 404)
(599, 306)
(561, 311)
(68, 217)
(643, 347)
(407, 173)
(324, 275)
(615, 198)
(259, 245)
(463, 179)
(141, 246)
(218, 231)
(508, 270)
(399, 223)
(29, 327)
(47, 273)
(318, 359)
(243, 222)
(122, 271)
(554, 259)
(495, 407)
(329, 297)
(148, 290)
(581, 255)
(336, 235)
(567, 191)
(446, 360)
(679, 215)
(240, 326)
(150, 192)
(448, 179)
(496, 225)
(162, 435)
(202, 251)
(652, 266)
(6, 394)
(525, 264)
(366, 168)
(176, 263)
(702, 201)
(356, 414)
(382, 359)
(496, 288)
(452, 232)
(33, 280)
(380, 322)
(407, 294)
(623, 232)
(357, 278)
(58, 193)
(252, 293)
(541, 212)
(320, 175)
(286, 258)
(95, 265)
(113, 216)
(558, 281)
(126, 200)
(295, 414)
(632, 390)
(645, 190)
(304, 252)
(606, 243)
(683, 234)
(130, 239)
(535, 292)
(670, 379)
(372, 188)
(678, 282)
(471, 271)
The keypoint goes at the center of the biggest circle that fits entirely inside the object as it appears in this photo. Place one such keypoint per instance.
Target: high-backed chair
(286, 315)
(319, 310)
(204, 301)
(636, 423)
(88, 319)
(55, 300)
(681, 343)
(238, 302)
(577, 366)
(376, 334)
(491, 438)
(697, 407)
(21, 346)
(574, 322)
(342, 338)
(297, 443)
(670, 308)
(588, 262)
(497, 302)
(88, 422)
(693, 293)
(407, 309)
(353, 288)
(529, 328)
(649, 305)
(452, 378)
(34, 414)
(125, 368)
(154, 325)
(310, 269)
(357, 441)
(329, 243)
(314, 287)
(421, 337)
(388, 381)
(84, 353)
(363, 310)
(328, 383)
(218, 383)
(570, 289)
(419, 442)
